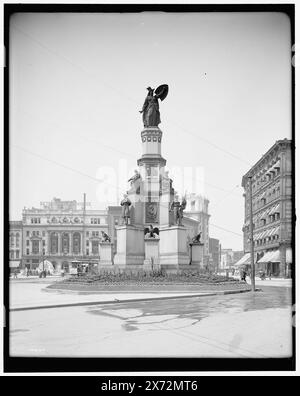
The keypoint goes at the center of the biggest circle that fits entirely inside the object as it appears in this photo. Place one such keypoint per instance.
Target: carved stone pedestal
(173, 248)
(130, 247)
(196, 255)
(151, 261)
(106, 254)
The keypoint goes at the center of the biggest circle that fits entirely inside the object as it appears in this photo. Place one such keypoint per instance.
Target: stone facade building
(272, 210)
(65, 231)
(15, 243)
(197, 210)
(61, 231)
(214, 254)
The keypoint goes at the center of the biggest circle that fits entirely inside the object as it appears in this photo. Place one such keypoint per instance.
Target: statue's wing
(162, 91)
(146, 230)
(156, 231)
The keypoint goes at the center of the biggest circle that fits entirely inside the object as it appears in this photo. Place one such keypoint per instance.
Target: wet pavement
(198, 308)
(241, 325)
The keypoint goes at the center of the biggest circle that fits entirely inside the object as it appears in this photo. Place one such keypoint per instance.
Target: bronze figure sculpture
(178, 210)
(150, 110)
(197, 238)
(105, 237)
(125, 203)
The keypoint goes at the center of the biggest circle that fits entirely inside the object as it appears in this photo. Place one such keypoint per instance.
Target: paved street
(32, 293)
(240, 325)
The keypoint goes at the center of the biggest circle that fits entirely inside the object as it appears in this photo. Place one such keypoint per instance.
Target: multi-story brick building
(272, 210)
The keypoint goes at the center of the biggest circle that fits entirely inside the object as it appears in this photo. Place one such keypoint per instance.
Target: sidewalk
(55, 299)
(282, 282)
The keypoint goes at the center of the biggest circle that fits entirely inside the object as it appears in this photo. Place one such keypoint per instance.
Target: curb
(80, 304)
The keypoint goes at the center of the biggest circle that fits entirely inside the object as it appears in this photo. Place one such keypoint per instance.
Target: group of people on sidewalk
(261, 274)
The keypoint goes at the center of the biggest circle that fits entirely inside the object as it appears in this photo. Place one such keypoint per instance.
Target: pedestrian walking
(15, 274)
(243, 275)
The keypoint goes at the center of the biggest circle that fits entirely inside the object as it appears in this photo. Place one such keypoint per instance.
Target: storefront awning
(274, 231)
(264, 234)
(265, 258)
(275, 257)
(244, 260)
(277, 165)
(275, 209)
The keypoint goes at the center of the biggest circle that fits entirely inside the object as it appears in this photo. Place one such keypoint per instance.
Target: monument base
(130, 247)
(173, 248)
(196, 256)
(106, 255)
(151, 262)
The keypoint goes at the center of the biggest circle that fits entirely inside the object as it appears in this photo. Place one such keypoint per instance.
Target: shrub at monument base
(152, 277)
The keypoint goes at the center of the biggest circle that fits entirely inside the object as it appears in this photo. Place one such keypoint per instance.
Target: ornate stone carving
(151, 212)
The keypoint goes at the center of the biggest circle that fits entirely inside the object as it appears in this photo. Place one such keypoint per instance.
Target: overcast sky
(77, 82)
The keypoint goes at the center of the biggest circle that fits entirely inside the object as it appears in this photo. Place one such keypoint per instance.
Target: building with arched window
(272, 210)
(64, 231)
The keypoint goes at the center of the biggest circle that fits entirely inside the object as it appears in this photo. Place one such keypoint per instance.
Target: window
(65, 243)
(33, 233)
(76, 242)
(27, 233)
(95, 247)
(44, 242)
(87, 252)
(35, 246)
(87, 234)
(87, 243)
(11, 254)
(54, 243)
(38, 233)
(27, 251)
(27, 242)
(17, 254)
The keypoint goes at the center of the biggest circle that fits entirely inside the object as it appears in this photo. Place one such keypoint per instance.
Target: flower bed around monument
(134, 281)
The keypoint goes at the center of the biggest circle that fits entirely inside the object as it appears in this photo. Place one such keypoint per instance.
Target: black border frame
(134, 365)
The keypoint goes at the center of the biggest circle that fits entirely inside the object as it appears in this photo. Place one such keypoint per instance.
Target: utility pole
(83, 227)
(251, 236)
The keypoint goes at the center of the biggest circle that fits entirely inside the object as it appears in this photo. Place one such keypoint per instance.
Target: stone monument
(196, 252)
(150, 202)
(106, 251)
